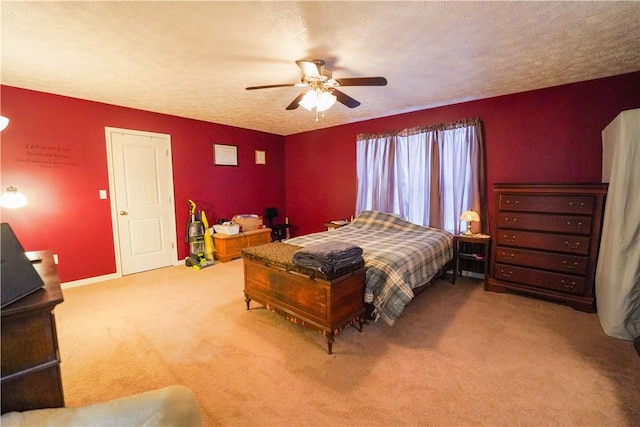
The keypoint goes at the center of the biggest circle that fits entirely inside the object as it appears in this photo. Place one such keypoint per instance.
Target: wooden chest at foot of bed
(324, 304)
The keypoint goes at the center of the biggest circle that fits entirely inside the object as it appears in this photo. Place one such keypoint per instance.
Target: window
(426, 175)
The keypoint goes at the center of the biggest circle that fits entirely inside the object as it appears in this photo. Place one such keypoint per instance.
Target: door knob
(124, 213)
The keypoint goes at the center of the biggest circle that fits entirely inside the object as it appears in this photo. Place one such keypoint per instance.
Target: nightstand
(471, 253)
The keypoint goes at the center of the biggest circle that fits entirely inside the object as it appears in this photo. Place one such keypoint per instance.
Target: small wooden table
(30, 357)
(471, 253)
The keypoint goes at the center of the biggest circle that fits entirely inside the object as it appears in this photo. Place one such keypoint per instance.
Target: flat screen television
(19, 277)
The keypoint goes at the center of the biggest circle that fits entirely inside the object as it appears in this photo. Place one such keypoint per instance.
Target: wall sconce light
(469, 217)
(4, 122)
(13, 199)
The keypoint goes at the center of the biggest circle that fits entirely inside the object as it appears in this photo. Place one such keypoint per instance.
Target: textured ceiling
(194, 59)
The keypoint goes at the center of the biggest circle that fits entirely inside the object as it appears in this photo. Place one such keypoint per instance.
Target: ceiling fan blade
(270, 86)
(310, 68)
(363, 81)
(345, 99)
(294, 103)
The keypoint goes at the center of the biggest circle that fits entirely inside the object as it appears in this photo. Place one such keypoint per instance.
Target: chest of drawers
(547, 240)
(30, 357)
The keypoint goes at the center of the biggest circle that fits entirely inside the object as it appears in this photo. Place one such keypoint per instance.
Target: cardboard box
(248, 222)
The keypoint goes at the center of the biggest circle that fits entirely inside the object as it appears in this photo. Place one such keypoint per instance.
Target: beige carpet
(459, 356)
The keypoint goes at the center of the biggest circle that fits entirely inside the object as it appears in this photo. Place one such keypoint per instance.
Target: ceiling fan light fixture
(309, 100)
(319, 99)
(322, 90)
(325, 101)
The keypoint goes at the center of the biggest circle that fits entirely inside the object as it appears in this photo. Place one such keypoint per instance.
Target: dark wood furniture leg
(330, 342)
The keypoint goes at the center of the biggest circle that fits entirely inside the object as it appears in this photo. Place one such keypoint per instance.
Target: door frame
(112, 199)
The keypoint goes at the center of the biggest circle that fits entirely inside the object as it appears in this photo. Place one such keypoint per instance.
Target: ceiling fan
(322, 90)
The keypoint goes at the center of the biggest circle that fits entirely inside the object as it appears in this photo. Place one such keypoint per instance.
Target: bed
(399, 257)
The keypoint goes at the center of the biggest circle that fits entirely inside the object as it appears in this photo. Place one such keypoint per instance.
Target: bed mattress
(399, 257)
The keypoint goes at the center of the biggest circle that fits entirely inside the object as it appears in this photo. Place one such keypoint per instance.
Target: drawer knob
(568, 266)
(509, 257)
(509, 239)
(576, 206)
(577, 226)
(511, 221)
(568, 285)
(572, 245)
(510, 203)
(505, 274)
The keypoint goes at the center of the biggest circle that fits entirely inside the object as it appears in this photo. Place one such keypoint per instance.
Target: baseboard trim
(96, 279)
(89, 281)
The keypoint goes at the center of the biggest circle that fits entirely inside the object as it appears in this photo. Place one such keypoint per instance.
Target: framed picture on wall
(225, 155)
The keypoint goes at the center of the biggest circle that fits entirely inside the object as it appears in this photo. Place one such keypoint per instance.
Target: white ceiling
(194, 59)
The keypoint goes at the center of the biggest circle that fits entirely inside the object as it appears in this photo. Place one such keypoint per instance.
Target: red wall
(551, 135)
(548, 135)
(65, 213)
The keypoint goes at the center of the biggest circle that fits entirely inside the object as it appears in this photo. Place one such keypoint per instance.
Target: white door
(141, 184)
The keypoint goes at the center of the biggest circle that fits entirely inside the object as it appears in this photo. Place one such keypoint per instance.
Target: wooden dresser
(30, 357)
(546, 241)
(228, 247)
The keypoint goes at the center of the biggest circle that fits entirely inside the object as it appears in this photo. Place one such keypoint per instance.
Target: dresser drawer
(236, 244)
(545, 260)
(547, 203)
(545, 222)
(540, 279)
(28, 340)
(545, 241)
(259, 239)
(38, 389)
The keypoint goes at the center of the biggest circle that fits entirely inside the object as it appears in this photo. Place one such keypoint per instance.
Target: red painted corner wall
(54, 151)
(547, 135)
(550, 135)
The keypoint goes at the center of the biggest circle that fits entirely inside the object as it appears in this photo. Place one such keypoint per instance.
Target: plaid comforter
(398, 255)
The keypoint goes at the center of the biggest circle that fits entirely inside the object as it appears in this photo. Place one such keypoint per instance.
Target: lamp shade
(321, 100)
(309, 100)
(325, 101)
(469, 217)
(4, 122)
(13, 199)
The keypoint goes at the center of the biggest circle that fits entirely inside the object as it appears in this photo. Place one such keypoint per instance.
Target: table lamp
(469, 217)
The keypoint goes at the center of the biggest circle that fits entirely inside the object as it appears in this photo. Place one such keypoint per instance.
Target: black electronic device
(19, 277)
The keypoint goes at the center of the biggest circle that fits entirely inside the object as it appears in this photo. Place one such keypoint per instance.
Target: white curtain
(426, 175)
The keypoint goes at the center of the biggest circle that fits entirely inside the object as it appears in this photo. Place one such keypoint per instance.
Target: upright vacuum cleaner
(197, 236)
